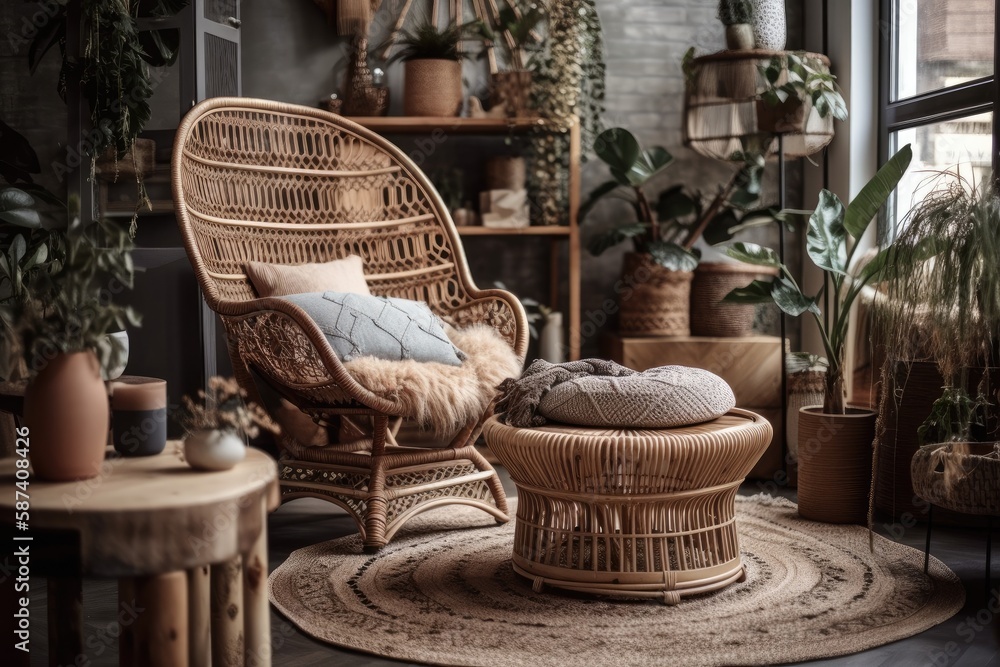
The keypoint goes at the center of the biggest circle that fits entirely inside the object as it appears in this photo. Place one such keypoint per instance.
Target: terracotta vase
(432, 87)
(835, 464)
(66, 410)
(654, 300)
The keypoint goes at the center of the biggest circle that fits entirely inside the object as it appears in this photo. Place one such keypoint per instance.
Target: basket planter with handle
(960, 476)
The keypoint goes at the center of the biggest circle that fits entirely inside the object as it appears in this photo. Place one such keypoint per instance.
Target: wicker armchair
(264, 181)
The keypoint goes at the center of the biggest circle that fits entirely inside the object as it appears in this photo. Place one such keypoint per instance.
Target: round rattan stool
(639, 513)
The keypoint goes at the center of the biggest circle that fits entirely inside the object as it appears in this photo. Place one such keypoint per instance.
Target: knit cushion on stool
(661, 397)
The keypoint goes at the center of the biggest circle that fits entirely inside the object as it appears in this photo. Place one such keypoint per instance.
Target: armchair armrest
(281, 342)
(499, 309)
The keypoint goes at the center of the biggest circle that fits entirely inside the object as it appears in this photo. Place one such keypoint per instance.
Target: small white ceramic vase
(550, 343)
(213, 450)
(769, 29)
(115, 372)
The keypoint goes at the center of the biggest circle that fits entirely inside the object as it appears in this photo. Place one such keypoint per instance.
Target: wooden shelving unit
(556, 234)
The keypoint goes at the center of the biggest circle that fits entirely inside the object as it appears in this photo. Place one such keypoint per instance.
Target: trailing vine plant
(568, 79)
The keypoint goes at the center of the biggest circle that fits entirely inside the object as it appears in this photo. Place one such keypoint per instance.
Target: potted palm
(834, 440)
(518, 37)
(59, 331)
(660, 268)
(432, 77)
(937, 319)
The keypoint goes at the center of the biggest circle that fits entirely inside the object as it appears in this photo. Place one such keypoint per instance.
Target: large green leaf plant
(668, 227)
(831, 242)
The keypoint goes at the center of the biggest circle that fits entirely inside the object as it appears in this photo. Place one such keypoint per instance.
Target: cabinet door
(217, 34)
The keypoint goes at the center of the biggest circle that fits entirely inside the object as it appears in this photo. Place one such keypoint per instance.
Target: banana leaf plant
(668, 228)
(831, 241)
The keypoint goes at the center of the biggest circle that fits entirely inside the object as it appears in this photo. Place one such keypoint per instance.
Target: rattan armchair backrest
(256, 180)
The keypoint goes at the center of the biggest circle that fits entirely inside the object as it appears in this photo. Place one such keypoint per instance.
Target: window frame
(978, 96)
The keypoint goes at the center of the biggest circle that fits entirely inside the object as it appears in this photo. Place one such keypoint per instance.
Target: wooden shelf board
(540, 230)
(425, 124)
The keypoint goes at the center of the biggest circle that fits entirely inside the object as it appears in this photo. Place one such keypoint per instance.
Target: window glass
(939, 43)
(963, 146)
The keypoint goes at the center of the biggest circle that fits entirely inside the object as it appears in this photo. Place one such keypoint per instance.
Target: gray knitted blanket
(519, 398)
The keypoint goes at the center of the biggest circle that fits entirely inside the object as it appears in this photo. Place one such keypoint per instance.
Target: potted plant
(737, 16)
(59, 330)
(432, 74)
(518, 36)
(795, 85)
(663, 235)
(218, 424)
(937, 319)
(834, 440)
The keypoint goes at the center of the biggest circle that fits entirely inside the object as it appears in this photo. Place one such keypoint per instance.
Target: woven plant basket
(513, 91)
(805, 388)
(660, 298)
(712, 282)
(432, 87)
(835, 464)
(959, 476)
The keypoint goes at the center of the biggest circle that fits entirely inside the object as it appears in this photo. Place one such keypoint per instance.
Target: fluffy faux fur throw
(437, 396)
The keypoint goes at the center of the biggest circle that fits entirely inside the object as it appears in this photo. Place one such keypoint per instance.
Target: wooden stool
(640, 513)
(189, 550)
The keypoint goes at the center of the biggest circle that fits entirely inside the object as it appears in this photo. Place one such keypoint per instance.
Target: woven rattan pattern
(638, 512)
(278, 183)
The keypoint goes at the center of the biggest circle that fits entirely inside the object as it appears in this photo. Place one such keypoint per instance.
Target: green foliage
(113, 71)
(831, 247)
(734, 12)
(63, 302)
(680, 216)
(428, 42)
(952, 417)
(806, 78)
(942, 288)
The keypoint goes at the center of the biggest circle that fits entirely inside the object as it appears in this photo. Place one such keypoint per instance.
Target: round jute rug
(450, 597)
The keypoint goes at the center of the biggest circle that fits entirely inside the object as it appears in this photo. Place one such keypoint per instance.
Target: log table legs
(161, 627)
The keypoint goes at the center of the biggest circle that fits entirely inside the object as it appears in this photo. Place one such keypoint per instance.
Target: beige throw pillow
(340, 275)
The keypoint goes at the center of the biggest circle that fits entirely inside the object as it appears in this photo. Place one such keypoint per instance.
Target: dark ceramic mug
(139, 415)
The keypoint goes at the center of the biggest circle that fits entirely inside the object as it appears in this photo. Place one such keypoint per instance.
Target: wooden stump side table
(189, 550)
(635, 512)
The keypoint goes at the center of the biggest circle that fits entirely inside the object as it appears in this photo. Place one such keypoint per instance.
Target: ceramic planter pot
(213, 450)
(433, 87)
(769, 24)
(739, 37)
(835, 464)
(66, 410)
(655, 300)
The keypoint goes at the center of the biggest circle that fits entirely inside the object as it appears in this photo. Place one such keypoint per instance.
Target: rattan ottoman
(640, 513)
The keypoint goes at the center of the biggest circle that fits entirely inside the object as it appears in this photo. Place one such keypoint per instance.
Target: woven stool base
(639, 513)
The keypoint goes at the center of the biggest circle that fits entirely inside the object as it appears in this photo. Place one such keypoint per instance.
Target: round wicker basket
(959, 476)
(432, 87)
(835, 464)
(712, 282)
(659, 302)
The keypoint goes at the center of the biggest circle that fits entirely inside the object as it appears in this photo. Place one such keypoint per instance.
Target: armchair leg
(496, 488)
(375, 514)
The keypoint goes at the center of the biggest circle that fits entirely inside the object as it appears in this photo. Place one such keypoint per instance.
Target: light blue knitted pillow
(359, 325)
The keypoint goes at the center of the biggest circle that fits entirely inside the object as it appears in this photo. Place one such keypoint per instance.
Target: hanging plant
(569, 82)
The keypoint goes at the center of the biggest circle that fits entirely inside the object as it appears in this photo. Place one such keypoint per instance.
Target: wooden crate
(751, 365)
